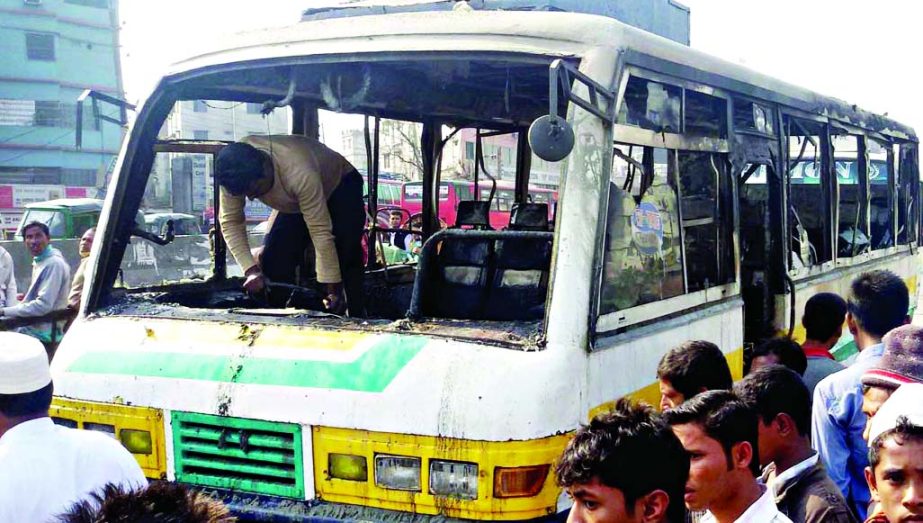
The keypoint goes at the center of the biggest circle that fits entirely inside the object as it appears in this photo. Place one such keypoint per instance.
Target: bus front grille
(239, 454)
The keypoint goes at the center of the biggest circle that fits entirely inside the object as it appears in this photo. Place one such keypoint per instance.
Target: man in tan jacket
(318, 196)
(791, 468)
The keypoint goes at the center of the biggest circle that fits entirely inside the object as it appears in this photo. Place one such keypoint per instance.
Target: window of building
(40, 46)
(78, 177)
(47, 114)
(253, 108)
(102, 4)
(199, 135)
(469, 150)
(199, 106)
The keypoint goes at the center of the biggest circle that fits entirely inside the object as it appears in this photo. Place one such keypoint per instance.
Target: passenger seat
(463, 267)
(522, 266)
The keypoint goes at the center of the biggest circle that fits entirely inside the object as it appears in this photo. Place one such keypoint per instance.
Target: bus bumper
(257, 507)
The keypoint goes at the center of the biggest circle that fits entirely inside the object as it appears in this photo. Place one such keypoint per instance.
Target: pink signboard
(6, 196)
(75, 192)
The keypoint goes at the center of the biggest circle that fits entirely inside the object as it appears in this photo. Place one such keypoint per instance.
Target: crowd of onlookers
(800, 438)
(52, 289)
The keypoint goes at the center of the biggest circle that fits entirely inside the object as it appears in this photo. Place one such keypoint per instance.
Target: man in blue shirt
(878, 301)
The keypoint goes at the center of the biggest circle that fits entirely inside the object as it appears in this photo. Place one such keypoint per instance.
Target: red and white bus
(453, 191)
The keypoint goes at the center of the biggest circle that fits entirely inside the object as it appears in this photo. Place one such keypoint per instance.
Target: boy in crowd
(719, 433)
(895, 471)
(877, 303)
(778, 351)
(626, 466)
(791, 469)
(902, 363)
(824, 314)
(692, 367)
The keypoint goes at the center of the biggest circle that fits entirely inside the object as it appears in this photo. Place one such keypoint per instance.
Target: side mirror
(551, 138)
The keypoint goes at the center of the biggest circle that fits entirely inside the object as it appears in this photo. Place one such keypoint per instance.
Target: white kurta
(45, 468)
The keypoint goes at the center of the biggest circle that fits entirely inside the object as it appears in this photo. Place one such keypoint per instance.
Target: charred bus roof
(472, 32)
(666, 18)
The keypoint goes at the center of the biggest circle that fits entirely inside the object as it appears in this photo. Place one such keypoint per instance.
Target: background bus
(453, 191)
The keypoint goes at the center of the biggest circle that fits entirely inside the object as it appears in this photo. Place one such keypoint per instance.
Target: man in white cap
(895, 471)
(45, 468)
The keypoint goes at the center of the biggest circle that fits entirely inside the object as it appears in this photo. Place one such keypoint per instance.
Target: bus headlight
(453, 478)
(519, 482)
(397, 472)
(137, 441)
(348, 466)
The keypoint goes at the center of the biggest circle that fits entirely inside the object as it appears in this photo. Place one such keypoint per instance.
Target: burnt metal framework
(237, 82)
(771, 148)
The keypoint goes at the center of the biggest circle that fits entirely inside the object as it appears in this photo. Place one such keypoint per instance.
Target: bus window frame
(137, 158)
(829, 192)
(613, 323)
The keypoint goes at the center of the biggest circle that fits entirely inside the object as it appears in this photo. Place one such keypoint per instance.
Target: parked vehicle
(65, 218)
(183, 224)
(451, 192)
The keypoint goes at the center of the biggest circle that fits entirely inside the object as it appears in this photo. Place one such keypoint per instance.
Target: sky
(863, 52)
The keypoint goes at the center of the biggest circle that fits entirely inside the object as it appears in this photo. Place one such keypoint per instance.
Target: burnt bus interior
(746, 186)
(718, 188)
(466, 270)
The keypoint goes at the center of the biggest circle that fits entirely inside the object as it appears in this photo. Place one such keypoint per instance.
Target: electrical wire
(238, 104)
(20, 135)
(26, 153)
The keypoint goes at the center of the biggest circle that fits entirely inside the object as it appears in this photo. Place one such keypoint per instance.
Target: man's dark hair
(27, 403)
(903, 432)
(238, 166)
(724, 418)
(630, 449)
(775, 390)
(824, 313)
(786, 349)
(161, 502)
(38, 224)
(878, 301)
(695, 365)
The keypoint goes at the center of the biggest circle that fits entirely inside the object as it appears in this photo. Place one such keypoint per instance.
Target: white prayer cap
(905, 402)
(23, 364)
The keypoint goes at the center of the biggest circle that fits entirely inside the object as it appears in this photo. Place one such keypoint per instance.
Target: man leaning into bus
(318, 196)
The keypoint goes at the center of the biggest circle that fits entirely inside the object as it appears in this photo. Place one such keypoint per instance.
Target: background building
(53, 50)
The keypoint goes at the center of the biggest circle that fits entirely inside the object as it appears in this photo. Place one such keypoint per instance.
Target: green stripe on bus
(371, 372)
